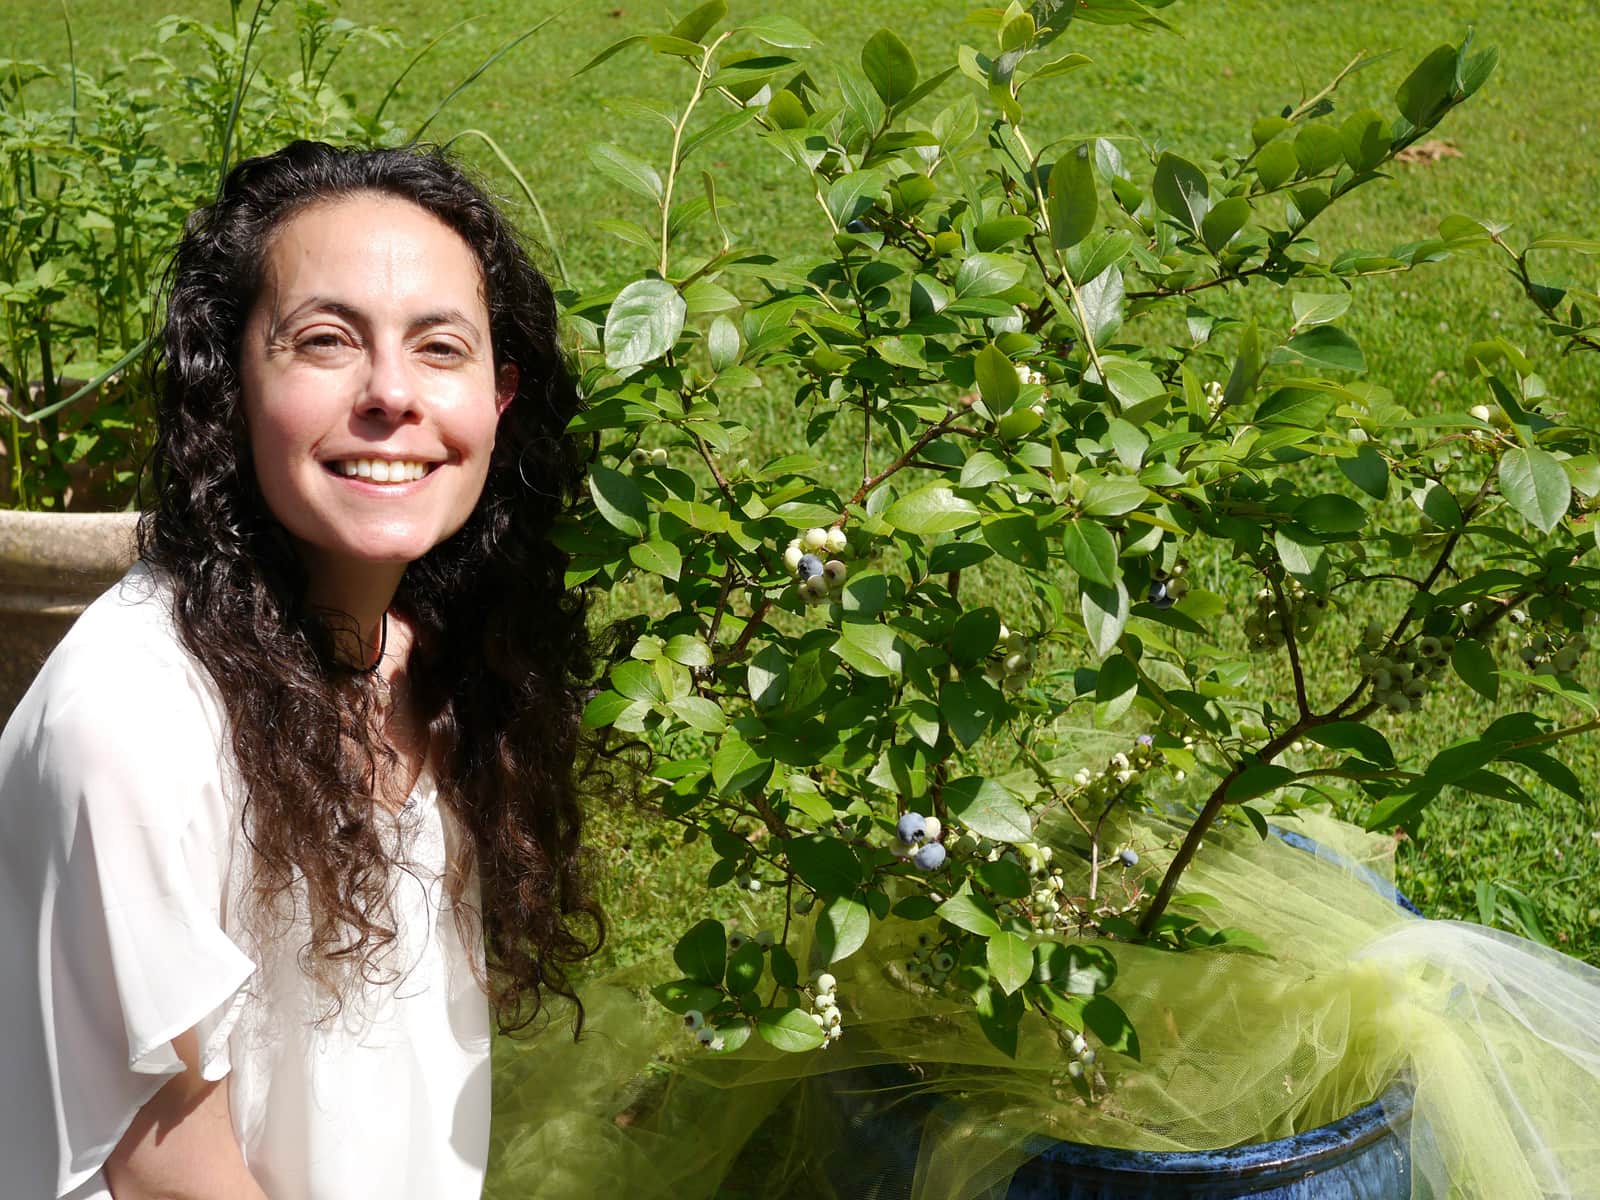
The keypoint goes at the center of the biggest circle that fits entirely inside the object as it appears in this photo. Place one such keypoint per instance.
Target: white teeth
(381, 470)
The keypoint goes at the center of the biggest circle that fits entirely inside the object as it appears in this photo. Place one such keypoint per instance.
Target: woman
(293, 805)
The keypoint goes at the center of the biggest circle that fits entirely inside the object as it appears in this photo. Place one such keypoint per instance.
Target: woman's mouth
(380, 470)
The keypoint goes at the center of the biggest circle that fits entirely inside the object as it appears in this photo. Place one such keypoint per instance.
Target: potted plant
(1086, 566)
(97, 174)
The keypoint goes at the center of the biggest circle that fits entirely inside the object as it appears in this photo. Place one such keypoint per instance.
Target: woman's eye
(442, 350)
(320, 341)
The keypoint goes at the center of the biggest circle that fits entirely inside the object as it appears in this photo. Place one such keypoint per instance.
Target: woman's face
(370, 390)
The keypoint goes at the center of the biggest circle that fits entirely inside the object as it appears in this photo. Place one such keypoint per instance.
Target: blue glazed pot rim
(1291, 1157)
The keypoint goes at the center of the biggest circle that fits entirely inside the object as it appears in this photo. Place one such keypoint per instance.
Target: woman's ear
(505, 388)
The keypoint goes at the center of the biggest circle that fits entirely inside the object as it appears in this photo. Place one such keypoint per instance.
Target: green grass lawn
(1524, 153)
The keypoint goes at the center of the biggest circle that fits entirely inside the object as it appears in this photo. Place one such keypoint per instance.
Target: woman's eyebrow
(349, 312)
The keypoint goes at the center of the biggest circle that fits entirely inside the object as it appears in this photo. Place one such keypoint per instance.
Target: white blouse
(122, 869)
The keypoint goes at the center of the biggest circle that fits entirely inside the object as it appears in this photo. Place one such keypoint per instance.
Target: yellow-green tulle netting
(1499, 1038)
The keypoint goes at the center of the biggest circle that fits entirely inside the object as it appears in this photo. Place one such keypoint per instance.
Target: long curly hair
(502, 653)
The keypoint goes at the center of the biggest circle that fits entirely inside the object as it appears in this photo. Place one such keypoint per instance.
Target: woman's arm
(181, 1144)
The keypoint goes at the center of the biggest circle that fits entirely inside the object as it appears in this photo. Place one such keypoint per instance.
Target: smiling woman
(293, 806)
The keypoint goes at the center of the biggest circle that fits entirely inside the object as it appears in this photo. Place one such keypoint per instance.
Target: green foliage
(1051, 391)
(98, 172)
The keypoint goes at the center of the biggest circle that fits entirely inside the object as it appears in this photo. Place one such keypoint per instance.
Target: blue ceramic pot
(1364, 1156)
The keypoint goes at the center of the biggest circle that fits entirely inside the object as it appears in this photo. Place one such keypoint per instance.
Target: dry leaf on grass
(1430, 151)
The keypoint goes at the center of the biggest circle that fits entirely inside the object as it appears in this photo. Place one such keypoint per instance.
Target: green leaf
(701, 954)
(789, 1030)
(1552, 770)
(722, 344)
(889, 67)
(689, 649)
(825, 863)
(969, 912)
(738, 766)
(1072, 199)
(1474, 663)
(1276, 164)
(657, 557)
(1361, 740)
(1427, 89)
(1010, 961)
(766, 675)
(745, 968)
(627, 169)
(988, 809)
(988, 275)
(933, 509)
(780, 31)
(680, 995)
(1331, 513)
(1003, 879)
(1076, 968)
(997, 378)
(1326, 346)
(1115, 689)
(1317, 308)
(603, 709)
(699, 22)
(1105, 613)
(619, 500)
(699, 713)
(1222, 224)
(1367, 470)
(871, 649)
(1091, 551)
(853, 194)
(998, 1017)
(643, 323)
(1106, 1020)
(1301, 551)
(1533, 483)
(1257, 780)
(974, 635)
(1318, 147)
(842, 927)
(1181, 191)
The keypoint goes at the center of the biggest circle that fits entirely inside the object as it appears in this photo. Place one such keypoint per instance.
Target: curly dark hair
(502, 652)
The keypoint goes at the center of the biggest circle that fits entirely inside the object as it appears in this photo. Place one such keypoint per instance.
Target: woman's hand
(181, 1145)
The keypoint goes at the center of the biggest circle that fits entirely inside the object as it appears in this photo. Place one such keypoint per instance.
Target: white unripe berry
(837, 541)
(1481, 411)
(658, 457)
(814, 539)
(933, 827)
(834, 572)
(826, 982)
(792, 556)
(639, 457)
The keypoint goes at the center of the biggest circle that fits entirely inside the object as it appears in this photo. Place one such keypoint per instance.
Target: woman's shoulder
(121, 676)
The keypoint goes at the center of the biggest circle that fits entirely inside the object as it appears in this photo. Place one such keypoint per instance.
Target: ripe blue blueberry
(929, 857)
(810, 566)
(1159, 596)
(911, 827)
(1128, 858)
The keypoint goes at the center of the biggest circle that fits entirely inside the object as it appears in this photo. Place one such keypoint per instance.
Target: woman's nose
(391, 386)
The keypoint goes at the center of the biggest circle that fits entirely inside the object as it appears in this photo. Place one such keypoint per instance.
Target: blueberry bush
(1065, 400)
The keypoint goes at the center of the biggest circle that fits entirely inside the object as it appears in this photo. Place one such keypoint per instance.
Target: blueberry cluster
(1269, 625)
(929, 964)
(1168, 587)
(1049, 895)
(816, 579)
(1403, 676)
(1083, 1057)
(641, 459)
(917, 838)
(1010, 664)
(825, 1009)
(1121, 770)
(695, 1022)
(1545, 655)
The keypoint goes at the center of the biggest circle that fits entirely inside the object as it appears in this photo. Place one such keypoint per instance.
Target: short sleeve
(135, 834)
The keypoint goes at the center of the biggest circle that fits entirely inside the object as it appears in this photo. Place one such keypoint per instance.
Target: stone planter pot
(51, 566)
